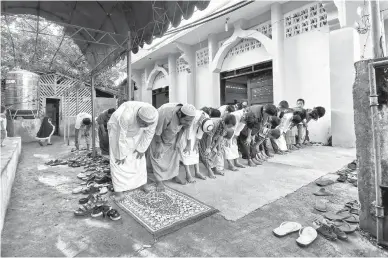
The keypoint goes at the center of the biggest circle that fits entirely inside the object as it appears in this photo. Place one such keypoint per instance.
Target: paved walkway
(40, 222)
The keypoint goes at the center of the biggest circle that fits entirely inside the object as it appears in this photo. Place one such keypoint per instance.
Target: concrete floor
(40, 222)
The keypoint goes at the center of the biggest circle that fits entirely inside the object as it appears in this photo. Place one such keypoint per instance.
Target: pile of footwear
(348, 174)
(96, 183)
(335, 225)
(56, 162)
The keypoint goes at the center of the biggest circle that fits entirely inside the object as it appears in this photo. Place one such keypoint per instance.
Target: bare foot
(238, 164)
(179, 181)
(146, 188)
(219, 172)
(118, 196)
(251, 163)
(40, 143)
(257, 162)
(211, 174)
(200, 176)
(233, 168)
(271, 156)
(160, 187)
(190, 179)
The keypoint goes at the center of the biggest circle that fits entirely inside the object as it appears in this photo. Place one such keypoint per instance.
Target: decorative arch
(239, 34)
(157, 69)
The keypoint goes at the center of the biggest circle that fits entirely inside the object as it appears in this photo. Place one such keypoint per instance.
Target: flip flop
(307, 235)
(345, 227)
(333, 216)
(324, 182)
(320, 205)
(353, 218)
(286, 228)
(322, 192)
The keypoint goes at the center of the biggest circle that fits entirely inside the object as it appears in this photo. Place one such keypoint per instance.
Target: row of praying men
(140, 138)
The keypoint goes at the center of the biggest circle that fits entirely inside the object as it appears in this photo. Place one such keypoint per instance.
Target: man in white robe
(131, 129)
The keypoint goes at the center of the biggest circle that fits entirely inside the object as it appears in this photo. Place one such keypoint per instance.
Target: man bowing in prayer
(131, 129)
(164, 156)
(83, 124)
(102, 121)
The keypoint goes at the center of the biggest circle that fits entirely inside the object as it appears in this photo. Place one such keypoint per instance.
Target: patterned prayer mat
(162, 213)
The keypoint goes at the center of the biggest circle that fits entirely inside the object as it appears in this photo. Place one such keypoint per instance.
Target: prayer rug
(162, 213)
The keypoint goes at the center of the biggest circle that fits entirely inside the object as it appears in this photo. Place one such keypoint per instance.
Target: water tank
(21, 91)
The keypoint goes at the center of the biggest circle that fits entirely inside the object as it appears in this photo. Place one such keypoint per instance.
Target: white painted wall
(160, 82)
(252, 57)
(182, 83)
(308, 76)
(344, 52)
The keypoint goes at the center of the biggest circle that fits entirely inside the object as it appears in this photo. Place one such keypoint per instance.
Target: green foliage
(45, 51)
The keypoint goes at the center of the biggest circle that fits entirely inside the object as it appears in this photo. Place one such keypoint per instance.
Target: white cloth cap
(188, 110)
(207, 125)
(148, 114)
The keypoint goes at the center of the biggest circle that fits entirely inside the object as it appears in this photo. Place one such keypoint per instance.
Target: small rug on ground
(162, 213)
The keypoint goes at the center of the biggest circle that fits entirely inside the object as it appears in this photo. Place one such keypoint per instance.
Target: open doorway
(52, 111)
(160, 96)
(253, 84)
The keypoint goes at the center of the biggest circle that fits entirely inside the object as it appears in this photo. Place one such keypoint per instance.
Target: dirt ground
(40, 222)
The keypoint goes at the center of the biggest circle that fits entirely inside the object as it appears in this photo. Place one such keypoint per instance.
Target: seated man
(131, 129)
(163, 155)
(82, 127)
(102, 121)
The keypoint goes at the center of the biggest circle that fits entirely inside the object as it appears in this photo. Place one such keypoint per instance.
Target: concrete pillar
(344, 52)
(172, 77)
(278, 58)
(215, 77)
(147, 93)
(187, 88)
(191, 85)
(365, 148)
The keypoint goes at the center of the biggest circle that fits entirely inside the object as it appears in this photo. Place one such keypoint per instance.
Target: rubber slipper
(113, 214)
(344, 226)
(78, 190)
(352, 165)
(307, 235)
(353, 218)
(324, 182)
(320, 205)
(323, 192)
(333, 216)
(286, 228)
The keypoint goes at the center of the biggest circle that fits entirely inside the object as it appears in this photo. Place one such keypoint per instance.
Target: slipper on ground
(324, 182)
(307, 235)
(333, 216)
(286, 228)
(320, 205)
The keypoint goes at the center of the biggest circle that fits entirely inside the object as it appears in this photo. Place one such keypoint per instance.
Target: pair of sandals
(307, 235)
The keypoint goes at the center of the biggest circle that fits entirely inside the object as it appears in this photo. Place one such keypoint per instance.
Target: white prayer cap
(207, 125)
(148, 114)
(188, 110)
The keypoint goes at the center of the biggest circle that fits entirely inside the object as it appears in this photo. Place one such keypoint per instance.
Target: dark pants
(245, 150)
(274, 146)
(104, 141)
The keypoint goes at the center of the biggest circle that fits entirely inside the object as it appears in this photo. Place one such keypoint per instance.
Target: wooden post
(93, 119)
(376, 37)
(129, 68)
